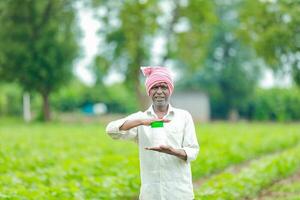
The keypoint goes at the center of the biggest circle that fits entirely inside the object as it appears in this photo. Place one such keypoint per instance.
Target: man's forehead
(160, 84)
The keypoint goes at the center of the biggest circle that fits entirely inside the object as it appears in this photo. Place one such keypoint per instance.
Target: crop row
(251, 179)
(225, 145)
(284, 189)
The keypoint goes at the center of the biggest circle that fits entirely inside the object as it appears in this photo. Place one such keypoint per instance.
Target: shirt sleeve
(113, 128)
(190, 143)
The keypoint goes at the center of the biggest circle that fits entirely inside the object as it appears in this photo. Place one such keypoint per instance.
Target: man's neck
(161, 109)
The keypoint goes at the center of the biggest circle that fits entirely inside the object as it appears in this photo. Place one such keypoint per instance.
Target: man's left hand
(169, 150)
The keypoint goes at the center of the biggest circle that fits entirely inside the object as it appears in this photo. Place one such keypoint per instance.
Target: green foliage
(230, 71)
(272, 28)
(120, 99)
(71, 97)
(38, 44)
(189, 46)
(53, 161)
(74, 95)
(65, 161)
(286, 189)
(251, 180)
(10, 99)
(274, 104)
(238, 144)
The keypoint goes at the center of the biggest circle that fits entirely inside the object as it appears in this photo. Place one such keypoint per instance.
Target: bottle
(158, 133)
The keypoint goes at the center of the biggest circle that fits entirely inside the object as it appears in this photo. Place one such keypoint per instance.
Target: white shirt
(163, 176)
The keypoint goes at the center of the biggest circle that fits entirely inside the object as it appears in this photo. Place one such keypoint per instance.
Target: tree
(128, 31)
(192, 34)
(272, 28)
(230, 72)
(38, 44)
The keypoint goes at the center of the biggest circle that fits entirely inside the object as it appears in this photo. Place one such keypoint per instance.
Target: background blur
(231, 59)
(77, 63)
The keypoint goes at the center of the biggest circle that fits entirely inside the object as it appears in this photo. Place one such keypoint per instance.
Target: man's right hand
(129, 124)
(147, 122)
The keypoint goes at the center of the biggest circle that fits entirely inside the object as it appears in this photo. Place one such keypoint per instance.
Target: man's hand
(137, 122)
(147, 122)
(169, 150)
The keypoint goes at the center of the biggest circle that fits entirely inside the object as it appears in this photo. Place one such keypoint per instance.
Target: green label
(157, 124)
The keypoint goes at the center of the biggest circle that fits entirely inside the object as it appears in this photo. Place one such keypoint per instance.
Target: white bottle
(158, 133)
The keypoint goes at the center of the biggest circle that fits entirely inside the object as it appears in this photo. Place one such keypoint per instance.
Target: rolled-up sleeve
(190, 143)
(113, 128)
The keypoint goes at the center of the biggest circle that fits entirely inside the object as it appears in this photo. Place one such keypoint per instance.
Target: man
(165, 170)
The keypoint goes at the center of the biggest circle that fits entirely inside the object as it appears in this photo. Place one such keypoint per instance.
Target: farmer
(165, 169)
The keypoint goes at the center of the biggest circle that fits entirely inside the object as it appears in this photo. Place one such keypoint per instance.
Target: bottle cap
(157, 124)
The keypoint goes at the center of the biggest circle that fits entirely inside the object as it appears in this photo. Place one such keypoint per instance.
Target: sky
(90, 43)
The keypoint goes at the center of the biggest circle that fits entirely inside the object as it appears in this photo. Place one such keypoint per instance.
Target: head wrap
(156, 75)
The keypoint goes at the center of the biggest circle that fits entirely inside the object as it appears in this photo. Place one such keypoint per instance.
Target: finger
(146, 122)
(152, 148)
(150, 121)
(156, 120)
(156, 148)
(160, 119)
(164, 147)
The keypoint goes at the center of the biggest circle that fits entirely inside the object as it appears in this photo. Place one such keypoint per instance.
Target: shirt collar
(150, 110)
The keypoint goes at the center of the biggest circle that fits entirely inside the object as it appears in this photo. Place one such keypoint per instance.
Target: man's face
(160, 94)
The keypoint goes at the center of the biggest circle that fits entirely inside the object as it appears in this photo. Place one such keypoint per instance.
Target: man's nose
(159, 90)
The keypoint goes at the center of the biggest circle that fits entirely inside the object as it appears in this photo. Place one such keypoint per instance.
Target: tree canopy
(38, 44)
(273, 29)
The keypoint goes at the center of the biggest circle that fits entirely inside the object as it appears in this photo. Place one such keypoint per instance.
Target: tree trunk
(143, 99)
(26, 107)
(46, 107)
(170, 31)
(141, 96)
(233, 115)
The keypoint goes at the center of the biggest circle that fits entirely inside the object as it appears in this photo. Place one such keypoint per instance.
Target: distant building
(90, 108)
(196, 102)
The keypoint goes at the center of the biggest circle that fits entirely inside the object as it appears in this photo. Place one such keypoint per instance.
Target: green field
(286, 189)
(79, 161)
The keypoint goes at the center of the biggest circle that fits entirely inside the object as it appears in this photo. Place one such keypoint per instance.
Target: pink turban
(156, 75)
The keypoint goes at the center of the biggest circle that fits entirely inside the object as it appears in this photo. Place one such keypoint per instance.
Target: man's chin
(160, 103)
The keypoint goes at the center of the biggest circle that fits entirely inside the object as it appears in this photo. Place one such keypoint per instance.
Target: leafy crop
(79, 161)
(247, 183)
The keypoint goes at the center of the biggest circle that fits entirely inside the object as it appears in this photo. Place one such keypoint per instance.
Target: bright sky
(90, 43)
